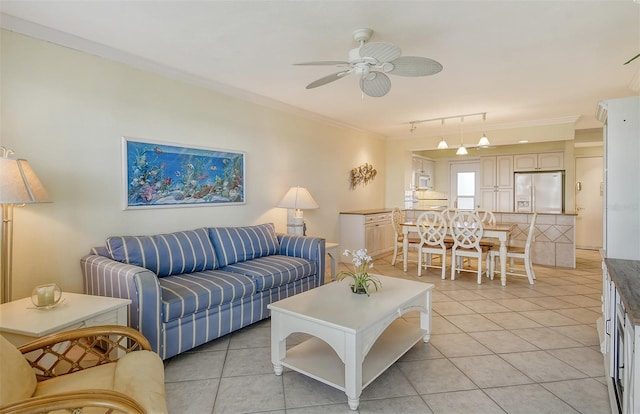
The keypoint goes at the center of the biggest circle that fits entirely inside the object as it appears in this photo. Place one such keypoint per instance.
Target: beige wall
(65, 111)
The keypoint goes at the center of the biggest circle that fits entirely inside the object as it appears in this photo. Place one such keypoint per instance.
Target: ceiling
(521, 62)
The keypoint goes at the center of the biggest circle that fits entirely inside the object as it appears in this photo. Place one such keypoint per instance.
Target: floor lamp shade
(296, 200)
(19, 184)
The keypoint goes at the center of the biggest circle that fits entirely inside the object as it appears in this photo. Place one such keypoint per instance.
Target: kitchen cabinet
(619, 327)
(367, 230)
(544, 161)
(496, 183)
(619, 332)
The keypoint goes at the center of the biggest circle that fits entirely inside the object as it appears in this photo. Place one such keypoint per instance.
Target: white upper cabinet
(496, 183)
(545, 161)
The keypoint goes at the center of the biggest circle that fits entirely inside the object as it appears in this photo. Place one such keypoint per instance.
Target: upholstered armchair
(99, 369)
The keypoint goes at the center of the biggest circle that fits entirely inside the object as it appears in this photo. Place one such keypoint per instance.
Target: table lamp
(18, 185)
(296, 200)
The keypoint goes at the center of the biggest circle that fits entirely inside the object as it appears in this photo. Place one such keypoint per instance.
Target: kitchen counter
(626, 275)
(367, 212)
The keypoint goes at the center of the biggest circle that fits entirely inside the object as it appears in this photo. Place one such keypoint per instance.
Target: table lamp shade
(298, 198)
(19, 184)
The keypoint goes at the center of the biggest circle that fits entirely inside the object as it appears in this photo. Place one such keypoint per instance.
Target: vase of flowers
(361, 278)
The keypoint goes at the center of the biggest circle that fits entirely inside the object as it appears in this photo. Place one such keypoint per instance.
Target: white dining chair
(519, 253)
(397, 218)
(467, 230)
(487, 217)
(433, 229)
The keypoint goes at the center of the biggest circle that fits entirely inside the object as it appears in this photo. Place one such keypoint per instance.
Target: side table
(21, 322)
(332, 251)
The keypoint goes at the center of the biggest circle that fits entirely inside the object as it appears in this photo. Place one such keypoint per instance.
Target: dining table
(494, 231)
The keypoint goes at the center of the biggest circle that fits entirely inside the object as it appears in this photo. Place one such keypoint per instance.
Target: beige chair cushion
(17, 379)
(100, 377)
(140, 375)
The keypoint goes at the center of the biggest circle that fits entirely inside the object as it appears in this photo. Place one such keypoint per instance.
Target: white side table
(332, 251)
(20, 322)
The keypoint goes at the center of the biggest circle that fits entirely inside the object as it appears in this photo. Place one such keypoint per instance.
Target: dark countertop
(626, 275)
(370, 211)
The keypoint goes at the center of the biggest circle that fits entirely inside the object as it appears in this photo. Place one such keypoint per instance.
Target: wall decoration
(170, 175)
(363, 174)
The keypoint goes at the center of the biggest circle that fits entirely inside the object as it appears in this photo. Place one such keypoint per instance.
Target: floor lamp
(18, 185)
(296, 200)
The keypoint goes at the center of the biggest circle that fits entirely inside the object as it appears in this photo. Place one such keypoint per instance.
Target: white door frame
(456, 167)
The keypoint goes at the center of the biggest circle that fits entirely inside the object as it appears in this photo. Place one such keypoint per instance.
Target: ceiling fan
(372, 61)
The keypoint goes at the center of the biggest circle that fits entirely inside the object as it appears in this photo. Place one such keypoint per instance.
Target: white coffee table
(355, 337)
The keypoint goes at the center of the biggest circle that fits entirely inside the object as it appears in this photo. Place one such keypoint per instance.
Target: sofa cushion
(166, 254)
(237, 244)
(190, 293)
(272, 271)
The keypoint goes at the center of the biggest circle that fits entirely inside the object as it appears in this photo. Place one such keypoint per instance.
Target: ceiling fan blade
(415, 66)
(383, 52)
(379, 85)
(328, 79)
(323, 63)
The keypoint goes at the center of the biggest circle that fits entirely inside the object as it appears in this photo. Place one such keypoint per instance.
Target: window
(466, 190)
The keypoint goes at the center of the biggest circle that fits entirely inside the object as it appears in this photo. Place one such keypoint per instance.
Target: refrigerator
(541, 192)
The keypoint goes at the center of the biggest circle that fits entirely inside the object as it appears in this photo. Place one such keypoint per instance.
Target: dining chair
(467, 230)
(433, 228)
(487, 217)
(520, 253)
(397, 218)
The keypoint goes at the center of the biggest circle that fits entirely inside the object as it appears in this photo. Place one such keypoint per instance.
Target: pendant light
(484, 141)
(443, 144)
(461, 150)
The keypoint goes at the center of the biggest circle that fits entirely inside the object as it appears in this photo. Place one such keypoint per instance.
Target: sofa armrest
(310, 248)
(103, 276)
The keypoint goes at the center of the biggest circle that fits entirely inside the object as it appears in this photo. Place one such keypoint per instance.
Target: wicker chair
(100, 369)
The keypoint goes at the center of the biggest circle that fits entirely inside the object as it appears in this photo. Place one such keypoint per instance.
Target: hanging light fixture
(484, 141)
(443, 144)
(461, 150)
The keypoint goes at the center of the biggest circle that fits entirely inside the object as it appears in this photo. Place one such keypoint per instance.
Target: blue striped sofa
(190, 287)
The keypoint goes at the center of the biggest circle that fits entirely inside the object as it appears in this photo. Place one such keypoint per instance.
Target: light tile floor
(493, 349)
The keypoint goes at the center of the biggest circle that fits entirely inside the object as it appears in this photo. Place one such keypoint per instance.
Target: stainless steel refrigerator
(542, 192)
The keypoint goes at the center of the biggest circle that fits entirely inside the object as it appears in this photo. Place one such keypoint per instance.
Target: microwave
(423, 181)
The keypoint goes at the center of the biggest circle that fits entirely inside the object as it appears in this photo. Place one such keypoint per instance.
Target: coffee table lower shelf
(316, 359)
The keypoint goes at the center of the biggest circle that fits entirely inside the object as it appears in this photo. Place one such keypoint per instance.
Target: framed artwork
(170, 175)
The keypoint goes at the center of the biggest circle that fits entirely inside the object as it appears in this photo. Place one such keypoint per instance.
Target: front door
(464, 179)
(588, 190)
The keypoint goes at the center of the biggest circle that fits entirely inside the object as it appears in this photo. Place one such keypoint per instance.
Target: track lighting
(461, 150)
(483, 143)
(443, 144)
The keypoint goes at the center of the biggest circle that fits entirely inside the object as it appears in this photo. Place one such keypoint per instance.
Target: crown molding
(37, 31)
